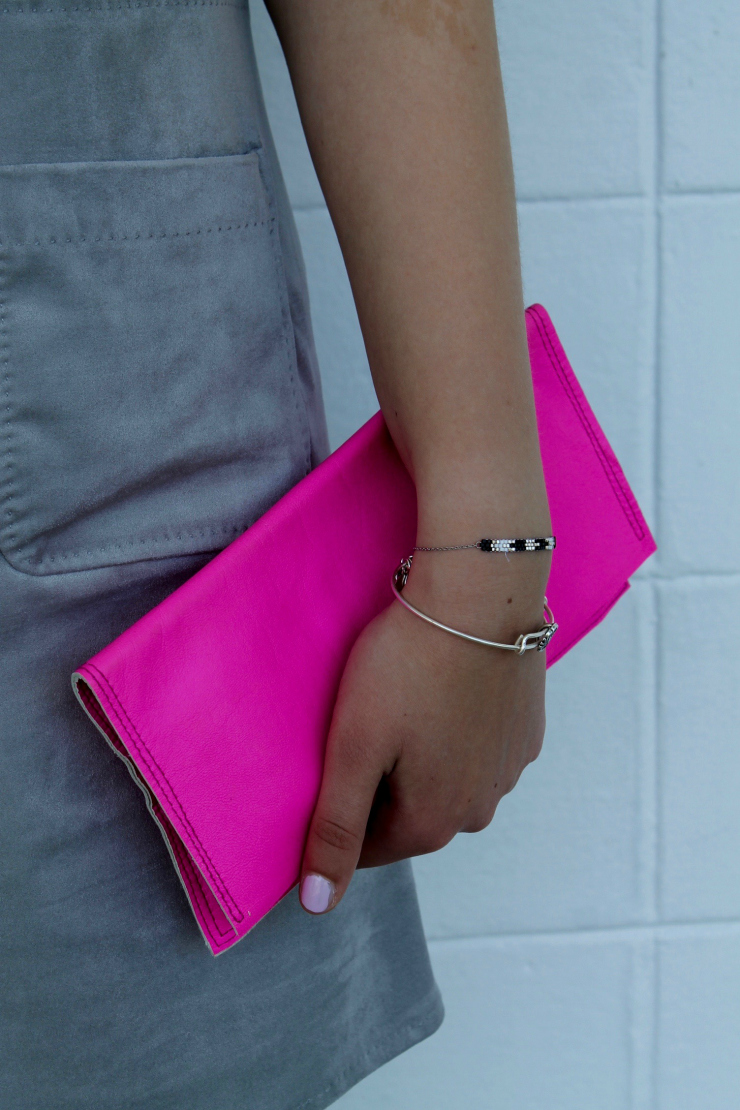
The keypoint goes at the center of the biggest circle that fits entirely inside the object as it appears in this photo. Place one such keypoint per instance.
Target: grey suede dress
(158, 391)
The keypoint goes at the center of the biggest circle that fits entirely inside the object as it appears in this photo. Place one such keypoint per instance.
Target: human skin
(403, 109)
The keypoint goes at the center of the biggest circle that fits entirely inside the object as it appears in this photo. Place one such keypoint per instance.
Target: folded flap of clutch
(220, 698)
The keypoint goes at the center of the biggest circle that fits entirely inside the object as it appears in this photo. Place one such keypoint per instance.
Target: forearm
(404, 113)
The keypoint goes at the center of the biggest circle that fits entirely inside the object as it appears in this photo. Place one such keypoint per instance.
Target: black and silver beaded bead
(537, 543)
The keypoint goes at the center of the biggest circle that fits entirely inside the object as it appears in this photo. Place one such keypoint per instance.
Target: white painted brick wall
(588, 942)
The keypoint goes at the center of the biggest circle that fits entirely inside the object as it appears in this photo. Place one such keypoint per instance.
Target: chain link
(460, 547)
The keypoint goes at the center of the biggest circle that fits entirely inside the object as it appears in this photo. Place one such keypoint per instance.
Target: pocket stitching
(290, 350)
(97, 9)
(7, 491)
(145, 237)
(7, 496)
(163, 537)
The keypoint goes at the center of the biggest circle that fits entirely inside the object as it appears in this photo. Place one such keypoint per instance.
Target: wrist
(447, 518)
(461, 500)
(484, 593)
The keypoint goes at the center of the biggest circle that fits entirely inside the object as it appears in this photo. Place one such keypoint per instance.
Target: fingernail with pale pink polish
(316, 893)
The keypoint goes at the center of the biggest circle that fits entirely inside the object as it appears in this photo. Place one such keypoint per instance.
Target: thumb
(334, 841)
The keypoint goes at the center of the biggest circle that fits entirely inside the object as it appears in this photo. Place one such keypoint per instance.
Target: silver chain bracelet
(527, 641)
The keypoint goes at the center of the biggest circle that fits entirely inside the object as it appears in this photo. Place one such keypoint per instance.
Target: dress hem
(424, 1020)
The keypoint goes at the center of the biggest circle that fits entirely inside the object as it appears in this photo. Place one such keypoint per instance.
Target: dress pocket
(150, 405)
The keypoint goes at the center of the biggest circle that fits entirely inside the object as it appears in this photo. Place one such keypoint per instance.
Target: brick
(701, 95)
(530, 1023)
(577, 80)
(699, 750)
(700, 391)
(698, 1063)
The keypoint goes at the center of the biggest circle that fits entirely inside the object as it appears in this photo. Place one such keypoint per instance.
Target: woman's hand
(429, 731)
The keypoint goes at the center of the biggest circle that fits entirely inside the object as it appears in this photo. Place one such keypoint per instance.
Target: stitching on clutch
(162, 781)
(186, 866)
(207, 921)
(180, 856)
(614, 479)
(184, 861)
(196, 879)
(216, 934)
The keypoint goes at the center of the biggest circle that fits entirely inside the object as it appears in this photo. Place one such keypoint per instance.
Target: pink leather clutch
(219, 699)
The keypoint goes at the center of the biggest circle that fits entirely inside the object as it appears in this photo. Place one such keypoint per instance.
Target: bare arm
(403, 109)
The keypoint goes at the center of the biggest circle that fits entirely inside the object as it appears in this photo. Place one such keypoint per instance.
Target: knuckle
(511, 781)
(433, 842)
(336, 835)
(539, 737)
(430, 837)
(534, 753)
(536, 747)
(477, 822)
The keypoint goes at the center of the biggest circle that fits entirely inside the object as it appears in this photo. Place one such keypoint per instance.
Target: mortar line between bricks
(652, 759)
(314, 206)
(591, 199)
(704, 191)
(731, 192)
(706, 928)
(660, 576)
(595, 199)
(655, 170)
(653, 1093)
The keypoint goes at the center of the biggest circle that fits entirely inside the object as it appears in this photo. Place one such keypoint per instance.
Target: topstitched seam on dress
(7, 479)
(99, 8)
(220, 530)
(290, 355)
(139, 236)
(61, 557)
(614, 480)
(162, 780)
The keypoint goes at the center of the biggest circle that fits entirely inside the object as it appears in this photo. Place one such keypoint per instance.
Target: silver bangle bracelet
(527, 641)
